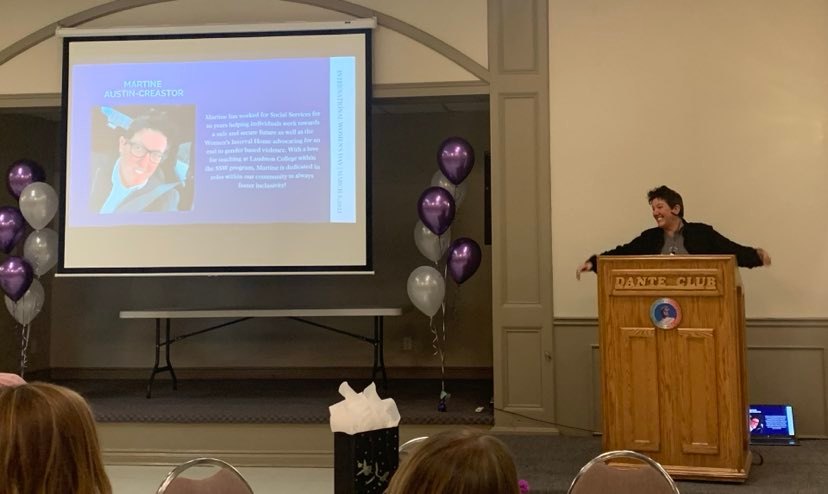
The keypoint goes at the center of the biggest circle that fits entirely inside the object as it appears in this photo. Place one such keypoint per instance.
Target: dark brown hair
(668, 195)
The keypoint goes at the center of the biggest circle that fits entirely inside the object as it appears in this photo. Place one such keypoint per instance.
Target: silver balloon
(458, 192)
(38, 203)
(41, 249)
(429, 244)
(29, 305)
(426, 289)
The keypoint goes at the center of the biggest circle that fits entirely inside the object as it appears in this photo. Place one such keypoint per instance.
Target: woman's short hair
(668, 195)
(460, 461)
(48, 442)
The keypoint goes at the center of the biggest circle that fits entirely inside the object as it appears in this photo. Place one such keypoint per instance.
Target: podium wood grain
(677, 395)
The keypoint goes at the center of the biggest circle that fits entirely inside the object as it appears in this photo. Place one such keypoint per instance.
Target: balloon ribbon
(24, 347)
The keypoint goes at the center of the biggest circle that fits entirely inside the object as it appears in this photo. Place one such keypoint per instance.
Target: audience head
(48, 442)
(460, 461)
(7, 379)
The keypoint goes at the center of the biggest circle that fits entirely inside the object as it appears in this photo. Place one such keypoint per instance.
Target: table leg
(382, 353)
(379, 354)
(168, 367)
(157, 353)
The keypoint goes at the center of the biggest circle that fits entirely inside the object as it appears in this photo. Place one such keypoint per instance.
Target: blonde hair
(48, 442)
(460, 461)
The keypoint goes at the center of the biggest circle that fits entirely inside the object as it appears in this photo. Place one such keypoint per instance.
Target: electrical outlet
(407, 343)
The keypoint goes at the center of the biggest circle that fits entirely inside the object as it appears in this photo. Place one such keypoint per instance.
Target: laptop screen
(771, 421)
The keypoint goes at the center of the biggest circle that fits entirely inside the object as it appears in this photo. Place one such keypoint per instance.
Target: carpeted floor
(549, 463)
(294, 401)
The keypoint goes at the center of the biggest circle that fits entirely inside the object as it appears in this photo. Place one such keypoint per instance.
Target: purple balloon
(463, 259)
(456, 159)
(15, 277)
(436, 208)
(12, 226)
(21, 174)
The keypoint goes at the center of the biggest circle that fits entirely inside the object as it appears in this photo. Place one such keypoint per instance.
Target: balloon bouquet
(38, 204)
(432, 236)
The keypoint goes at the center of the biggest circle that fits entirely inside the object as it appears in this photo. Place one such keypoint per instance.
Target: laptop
(772, 425)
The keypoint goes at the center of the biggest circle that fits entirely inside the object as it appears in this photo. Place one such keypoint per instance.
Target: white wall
(724, 101)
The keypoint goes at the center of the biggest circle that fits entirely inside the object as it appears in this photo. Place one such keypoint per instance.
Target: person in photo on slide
(134, 182)
(674, 235)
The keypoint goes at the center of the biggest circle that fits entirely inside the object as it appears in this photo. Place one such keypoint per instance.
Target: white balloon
(29, 305)
(41, 250)
(38, 203)
(458, 192)
(426, 289)
(429, 244)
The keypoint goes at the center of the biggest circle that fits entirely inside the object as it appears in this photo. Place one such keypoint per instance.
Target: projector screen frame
(362, 27)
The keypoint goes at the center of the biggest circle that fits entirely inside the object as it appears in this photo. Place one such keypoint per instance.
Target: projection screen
(217, 152)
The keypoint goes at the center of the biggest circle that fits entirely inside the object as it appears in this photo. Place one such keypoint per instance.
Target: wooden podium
(672, 339)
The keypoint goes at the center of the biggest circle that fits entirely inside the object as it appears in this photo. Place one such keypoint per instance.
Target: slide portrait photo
(141, 159)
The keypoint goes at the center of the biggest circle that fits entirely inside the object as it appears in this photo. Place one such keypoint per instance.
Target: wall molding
(213, 373)
(422, 89)
(34, 100)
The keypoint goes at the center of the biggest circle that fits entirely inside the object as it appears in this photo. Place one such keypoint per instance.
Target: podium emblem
(665, 313)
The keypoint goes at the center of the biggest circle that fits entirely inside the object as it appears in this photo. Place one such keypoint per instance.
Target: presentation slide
(230, 153)
(771, 420)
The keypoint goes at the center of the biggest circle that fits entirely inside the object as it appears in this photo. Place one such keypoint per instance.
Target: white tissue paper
(362, 412)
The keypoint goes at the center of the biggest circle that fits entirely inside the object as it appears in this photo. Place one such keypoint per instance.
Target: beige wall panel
(36, 71)
(595, 381)
(521, 289)
(522, 42)
(519, 200)
(460, 23)
(577, 383)
(524, 385)
(724, 101)
(400, 60)
(792, 375)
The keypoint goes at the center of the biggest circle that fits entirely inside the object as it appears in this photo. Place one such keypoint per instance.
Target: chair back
(646, 476)
(409, 446)
(223, 479)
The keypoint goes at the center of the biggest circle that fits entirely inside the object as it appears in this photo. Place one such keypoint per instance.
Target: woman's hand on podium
(766, 260)
(587, 266)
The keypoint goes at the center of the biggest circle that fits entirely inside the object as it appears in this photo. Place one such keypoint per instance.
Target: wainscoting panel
(523, 368)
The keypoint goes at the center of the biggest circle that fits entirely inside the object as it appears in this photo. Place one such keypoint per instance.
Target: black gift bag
(365, 462)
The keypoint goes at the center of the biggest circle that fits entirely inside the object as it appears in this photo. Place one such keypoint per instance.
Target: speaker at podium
(674, 380)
